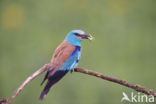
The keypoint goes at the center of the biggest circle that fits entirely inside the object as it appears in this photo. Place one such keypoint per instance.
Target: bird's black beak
(87, 36)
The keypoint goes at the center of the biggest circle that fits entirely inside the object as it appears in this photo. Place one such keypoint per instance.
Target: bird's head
(76, 36)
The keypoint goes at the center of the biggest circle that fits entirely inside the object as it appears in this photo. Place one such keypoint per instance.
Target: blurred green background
(125, 47)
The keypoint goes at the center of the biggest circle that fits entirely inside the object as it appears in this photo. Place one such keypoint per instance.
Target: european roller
(64, 59)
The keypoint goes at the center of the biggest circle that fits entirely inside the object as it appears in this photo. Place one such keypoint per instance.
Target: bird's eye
(77, 34)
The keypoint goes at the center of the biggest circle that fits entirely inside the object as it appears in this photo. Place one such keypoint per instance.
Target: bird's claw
(72, 71)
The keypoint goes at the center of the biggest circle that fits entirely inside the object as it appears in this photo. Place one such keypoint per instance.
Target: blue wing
(73, 60)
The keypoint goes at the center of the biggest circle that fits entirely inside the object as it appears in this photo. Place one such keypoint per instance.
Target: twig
(81, 70)
(115, 80)
(29, 79)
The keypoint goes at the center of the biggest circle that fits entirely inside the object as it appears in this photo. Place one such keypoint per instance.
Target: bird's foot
(72, 71)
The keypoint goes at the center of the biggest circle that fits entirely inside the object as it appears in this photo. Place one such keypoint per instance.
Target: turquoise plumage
(65, 58)
(73, 60)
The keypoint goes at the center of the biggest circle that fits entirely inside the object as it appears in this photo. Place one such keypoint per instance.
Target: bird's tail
(51, 81)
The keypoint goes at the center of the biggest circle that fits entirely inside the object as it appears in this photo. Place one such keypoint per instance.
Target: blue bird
(64, 59)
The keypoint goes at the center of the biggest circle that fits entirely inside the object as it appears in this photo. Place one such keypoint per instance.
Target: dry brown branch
(115, 80)
(29, 79)
(81, 70)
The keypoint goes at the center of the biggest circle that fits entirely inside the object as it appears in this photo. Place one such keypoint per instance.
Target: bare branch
(115, 80)
(29, 79)
(81, 70)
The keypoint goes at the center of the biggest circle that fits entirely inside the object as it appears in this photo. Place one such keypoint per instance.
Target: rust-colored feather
(61, 55)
